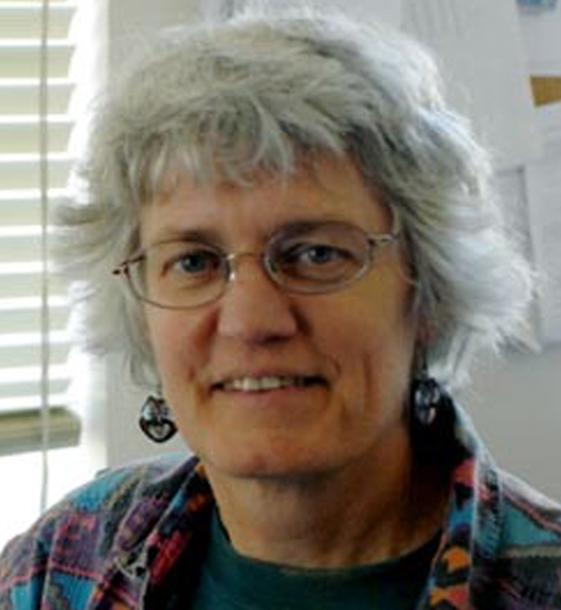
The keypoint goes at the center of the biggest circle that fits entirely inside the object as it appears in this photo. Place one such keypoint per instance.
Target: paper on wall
(542, 37)
(543, 185)
(479, 46)
(537, 4)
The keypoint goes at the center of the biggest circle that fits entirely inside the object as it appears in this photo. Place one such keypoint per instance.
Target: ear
(426, 332)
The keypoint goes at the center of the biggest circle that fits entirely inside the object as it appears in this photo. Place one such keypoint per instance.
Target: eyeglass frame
(374, 240)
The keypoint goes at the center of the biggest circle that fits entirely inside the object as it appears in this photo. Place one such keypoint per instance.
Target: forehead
(331, 189)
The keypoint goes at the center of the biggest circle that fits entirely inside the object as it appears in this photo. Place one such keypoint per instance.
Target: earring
(155, 419)
(428, 398)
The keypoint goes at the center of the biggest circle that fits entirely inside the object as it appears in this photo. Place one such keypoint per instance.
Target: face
(350, 351)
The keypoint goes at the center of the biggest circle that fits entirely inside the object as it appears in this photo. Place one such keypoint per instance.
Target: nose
(253, 307)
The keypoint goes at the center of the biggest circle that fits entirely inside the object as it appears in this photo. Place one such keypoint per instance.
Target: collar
(160, 527)
(473, 524)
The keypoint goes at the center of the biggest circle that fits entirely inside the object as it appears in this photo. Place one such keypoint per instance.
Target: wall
(516, 406)
(130, 21)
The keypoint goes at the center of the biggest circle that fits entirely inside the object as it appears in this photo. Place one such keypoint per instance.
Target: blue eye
(319, 255)
(197, 262)
(311, 255)
(175, 270)
(191, 263)
(314, 261)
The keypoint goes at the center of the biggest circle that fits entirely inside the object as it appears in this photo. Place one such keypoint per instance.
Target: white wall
(516, 405)
(130, 21)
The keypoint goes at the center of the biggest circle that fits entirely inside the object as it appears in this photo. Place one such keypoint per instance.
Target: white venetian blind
(35, 129)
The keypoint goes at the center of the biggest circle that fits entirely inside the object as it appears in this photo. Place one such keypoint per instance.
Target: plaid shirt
(113, 544)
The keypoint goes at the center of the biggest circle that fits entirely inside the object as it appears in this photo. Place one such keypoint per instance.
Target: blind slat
(27, 355)
(23, 285)
(26, 320)
(32, 387)
(29, 401)
(20, 135)
(22, 96)
(23, 171)
(20, 249)
(21, 431)
(51, 2)
(30, 374)
(23, 20)
(24, 207)
(23, 246)
(21, 60)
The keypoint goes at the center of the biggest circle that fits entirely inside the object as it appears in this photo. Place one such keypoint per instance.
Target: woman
(303, 242)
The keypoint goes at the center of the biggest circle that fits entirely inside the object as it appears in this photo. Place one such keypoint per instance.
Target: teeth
(262, 384)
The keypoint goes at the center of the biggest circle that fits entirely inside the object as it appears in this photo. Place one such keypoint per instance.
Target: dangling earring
(428, 398)
(155, 419)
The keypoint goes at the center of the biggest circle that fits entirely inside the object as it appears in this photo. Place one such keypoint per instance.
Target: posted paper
(479, 46)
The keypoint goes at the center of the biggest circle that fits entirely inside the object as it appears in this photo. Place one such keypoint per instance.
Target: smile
(267, 384)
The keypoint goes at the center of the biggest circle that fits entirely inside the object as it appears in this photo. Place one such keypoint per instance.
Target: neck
(338, 519)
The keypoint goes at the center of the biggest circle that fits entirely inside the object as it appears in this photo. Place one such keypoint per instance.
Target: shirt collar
(160, 527)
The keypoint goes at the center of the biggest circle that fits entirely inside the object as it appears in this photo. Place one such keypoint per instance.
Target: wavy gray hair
(258, 92)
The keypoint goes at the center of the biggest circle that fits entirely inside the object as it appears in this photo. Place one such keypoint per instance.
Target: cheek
(364, 324)
(372, 348)
(173, 346)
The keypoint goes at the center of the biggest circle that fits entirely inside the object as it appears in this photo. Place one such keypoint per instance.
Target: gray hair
(222, 102)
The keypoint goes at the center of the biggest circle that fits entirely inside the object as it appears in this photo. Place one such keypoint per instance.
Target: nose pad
(236, 258)
(254, 307)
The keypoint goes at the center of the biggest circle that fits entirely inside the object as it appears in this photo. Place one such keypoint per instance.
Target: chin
(271, 459)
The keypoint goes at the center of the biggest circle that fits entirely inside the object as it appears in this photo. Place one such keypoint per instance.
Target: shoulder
(119, 487)
(81, 531)
(531, 520)
(529, 557)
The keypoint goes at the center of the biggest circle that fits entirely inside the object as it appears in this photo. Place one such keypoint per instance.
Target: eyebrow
(212, 237)
(170, 234)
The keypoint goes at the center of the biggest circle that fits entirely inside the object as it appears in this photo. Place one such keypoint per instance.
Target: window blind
(36, 89)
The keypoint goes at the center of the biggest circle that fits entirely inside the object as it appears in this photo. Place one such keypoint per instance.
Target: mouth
(270, 383)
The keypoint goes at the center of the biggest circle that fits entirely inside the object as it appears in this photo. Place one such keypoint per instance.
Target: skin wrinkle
(406, 521)
(288, 460)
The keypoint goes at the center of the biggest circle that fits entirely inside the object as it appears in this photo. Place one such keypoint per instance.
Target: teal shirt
(230, 581)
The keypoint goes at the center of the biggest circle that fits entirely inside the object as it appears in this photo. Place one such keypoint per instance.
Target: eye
(315, 254)
(185, 263)
(315, 261)
(196, 262)
(324, 254)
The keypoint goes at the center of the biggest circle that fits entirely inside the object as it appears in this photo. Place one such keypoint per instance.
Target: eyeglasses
(306, 258)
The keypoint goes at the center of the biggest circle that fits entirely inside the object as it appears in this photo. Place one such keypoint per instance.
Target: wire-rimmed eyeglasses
(306, 258)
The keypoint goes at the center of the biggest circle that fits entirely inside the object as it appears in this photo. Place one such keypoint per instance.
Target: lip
(311, 379)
